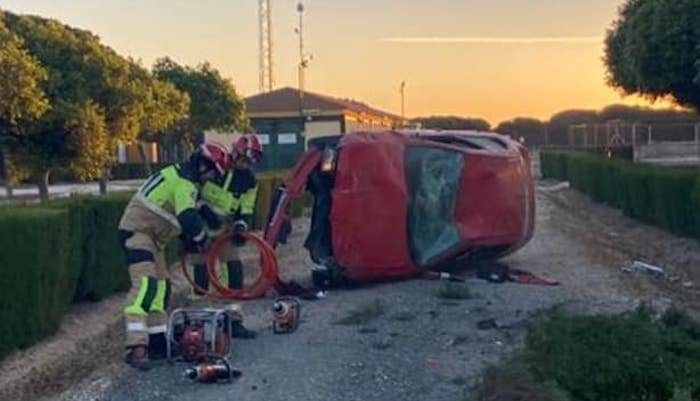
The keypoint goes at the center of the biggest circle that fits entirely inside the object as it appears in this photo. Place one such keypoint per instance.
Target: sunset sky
(495, 59)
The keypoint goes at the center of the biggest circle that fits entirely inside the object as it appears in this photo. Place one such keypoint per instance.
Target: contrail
(499, 40)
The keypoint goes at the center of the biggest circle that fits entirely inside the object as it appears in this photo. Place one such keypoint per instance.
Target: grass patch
(515, 383)
(363, 314)
(629, 357)
(449, 290)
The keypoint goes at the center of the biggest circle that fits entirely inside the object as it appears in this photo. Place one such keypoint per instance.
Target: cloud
(498, 40)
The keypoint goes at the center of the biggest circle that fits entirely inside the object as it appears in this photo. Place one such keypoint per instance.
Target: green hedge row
(660, 196)
(37, 281)
(68, 251)
(614, 152)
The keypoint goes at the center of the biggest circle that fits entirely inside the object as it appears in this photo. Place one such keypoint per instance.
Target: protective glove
(195, 247)
(239, 227)
(211, 219)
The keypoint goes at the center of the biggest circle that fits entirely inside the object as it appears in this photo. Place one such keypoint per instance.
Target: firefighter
(230, 202)
(162, 208)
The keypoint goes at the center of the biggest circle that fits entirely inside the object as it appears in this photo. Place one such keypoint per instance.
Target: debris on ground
(487, 324)
(556, 187)
(647, 268)
(433, 362)
(452, 290)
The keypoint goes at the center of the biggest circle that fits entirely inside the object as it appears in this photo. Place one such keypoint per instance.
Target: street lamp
(303, 58)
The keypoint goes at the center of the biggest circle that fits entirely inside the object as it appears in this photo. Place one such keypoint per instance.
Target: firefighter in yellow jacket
(162, 208)
(230, 202)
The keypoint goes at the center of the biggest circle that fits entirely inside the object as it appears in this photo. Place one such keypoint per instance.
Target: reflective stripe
(136, 326)
(211, 233)
(135, 307)
(242, 223)
(158, 304)
(158, 210)
(227, 182)
(157, 329)
(200, 237)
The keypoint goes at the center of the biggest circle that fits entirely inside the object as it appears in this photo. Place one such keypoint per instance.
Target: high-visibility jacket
(171, 193)
(233, 196)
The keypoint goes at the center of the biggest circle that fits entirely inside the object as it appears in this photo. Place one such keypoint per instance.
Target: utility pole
(303, 62)
(265, 46)
(403, 104)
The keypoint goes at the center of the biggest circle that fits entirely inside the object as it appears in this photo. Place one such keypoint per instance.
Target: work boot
(201, 278)
(239, 331)
(157, 346)
(235, 274)
(137, 357)
(321, 276)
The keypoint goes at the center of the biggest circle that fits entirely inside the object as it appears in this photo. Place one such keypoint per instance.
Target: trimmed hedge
(94, 245)
(664, 197)
(68, 251)
(37, 278)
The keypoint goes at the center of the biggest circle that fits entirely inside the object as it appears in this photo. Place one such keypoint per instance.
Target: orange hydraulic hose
(268, 265)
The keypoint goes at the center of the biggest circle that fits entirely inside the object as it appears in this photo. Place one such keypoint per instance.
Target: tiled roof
(287, 99)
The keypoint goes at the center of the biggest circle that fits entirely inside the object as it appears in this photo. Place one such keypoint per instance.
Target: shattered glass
(433, 177)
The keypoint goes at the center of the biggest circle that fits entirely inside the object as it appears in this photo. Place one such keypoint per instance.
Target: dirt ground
(402, 338)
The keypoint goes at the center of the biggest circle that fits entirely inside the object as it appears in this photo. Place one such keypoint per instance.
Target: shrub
(37, 276)
(664, 197)
(631, 357)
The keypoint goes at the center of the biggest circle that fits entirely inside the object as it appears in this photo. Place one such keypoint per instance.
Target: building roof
(285, 100)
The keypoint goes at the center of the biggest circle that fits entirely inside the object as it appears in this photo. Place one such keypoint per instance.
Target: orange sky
(494, 59)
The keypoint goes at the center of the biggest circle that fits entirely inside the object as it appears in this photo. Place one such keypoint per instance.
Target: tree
(558, 125)
(532, 130)
(88, 82)
(20, 80)
(214, 102)
(653, 49)
(80, 71)
(22, 100)
(88, 142)
(645, 114)
(164, 106)
(452, 123)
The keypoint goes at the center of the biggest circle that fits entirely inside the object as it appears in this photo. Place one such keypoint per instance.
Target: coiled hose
(268, 269)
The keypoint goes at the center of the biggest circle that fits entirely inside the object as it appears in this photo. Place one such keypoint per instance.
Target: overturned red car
(390, 205)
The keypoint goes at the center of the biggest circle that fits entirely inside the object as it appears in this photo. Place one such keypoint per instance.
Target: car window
(433, 177)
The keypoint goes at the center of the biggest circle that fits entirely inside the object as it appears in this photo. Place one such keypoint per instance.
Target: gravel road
(415, 343)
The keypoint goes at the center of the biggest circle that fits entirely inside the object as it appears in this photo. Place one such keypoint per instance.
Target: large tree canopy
(532, 130)
(95, 99)
(21, 77)
(215, 104)
(653, 49)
